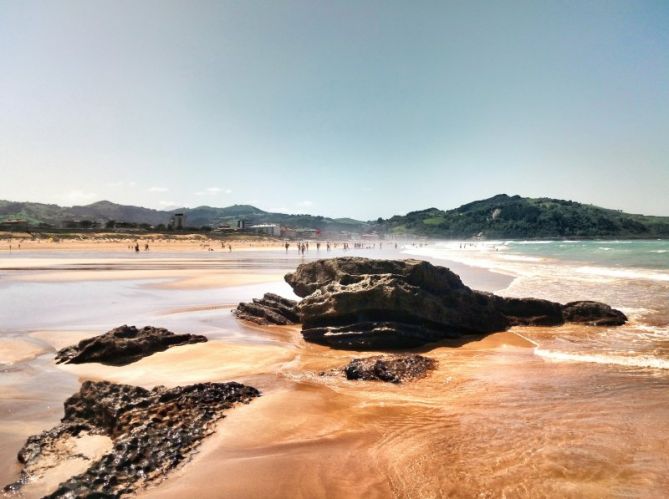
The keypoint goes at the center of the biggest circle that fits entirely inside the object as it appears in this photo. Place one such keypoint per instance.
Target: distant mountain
(512, 217)
(207, 215)
(500, 216)
(102, 211)
(35, 214)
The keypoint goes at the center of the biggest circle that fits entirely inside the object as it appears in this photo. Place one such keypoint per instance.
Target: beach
(533, 412)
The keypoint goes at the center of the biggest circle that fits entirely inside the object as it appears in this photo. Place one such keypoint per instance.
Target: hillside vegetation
(101, 212)
(515, 217)
(500, 216)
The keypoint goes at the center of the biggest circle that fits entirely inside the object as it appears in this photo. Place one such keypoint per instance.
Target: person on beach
(136, 247)
(287, 246)
(229, 248)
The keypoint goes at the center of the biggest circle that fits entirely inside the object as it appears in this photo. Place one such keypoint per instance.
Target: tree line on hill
(500, 216)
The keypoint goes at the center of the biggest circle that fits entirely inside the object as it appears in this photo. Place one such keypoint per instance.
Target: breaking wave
(645, 361)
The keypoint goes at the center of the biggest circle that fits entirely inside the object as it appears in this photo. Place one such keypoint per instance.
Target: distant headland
(498, 217)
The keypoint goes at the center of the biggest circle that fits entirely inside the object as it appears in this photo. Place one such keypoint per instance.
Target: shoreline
(488, 402)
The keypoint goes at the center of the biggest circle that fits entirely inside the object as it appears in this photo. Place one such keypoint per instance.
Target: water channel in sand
(494, 419)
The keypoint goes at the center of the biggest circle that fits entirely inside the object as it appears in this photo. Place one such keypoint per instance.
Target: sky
(341, 108)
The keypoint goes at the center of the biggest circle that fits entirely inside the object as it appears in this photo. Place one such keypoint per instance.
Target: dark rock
(124, 345)
(529, 311)
(153, 431)
(358, 303)
(593, 313)
(374, 335)
(390, 368)
(270, 309)
(347, 270)
(394, 311)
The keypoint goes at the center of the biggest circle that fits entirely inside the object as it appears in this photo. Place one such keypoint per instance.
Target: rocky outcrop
(390, 368)
(592, 313)
(529, 311)
(307, 278)
(358, 303)
(124, 345)
(153, 431)
(270, 309)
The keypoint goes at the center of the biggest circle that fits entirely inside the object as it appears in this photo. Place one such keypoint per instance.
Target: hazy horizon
(346, 109)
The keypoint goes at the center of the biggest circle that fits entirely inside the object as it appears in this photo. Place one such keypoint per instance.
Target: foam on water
(619, 360)
(625, 273)
(630, 275)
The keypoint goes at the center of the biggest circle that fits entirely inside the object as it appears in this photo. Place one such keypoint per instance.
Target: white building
(269, 229)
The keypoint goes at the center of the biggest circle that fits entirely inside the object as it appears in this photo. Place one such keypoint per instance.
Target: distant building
(269, 229)
(178, 221)
(225, 228)
(241, 224)
(308, 233)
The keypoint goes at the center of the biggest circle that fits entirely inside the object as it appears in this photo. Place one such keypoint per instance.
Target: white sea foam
(624, 273)
(484, 256)
(534, 242)
(644, 361)
(520, 258)
(653, 331)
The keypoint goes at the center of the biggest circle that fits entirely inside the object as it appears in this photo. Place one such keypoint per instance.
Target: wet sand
(493, 420)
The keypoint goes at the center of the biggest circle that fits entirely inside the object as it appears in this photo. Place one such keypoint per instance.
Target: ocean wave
(645, 361)
(539, 266)
(653, 331)
(521, 258)
(624, 273)
(533, 242)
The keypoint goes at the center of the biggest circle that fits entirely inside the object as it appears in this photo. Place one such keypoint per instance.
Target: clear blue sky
(343, 108)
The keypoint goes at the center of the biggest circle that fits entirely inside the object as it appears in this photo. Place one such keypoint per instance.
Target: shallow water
(556, 415)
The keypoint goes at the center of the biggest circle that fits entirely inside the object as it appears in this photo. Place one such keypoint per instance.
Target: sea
(632, 276)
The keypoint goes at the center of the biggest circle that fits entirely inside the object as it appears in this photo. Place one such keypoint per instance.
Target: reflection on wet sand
(493, 420)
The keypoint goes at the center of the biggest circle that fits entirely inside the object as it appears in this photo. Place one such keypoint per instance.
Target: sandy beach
(494, 418)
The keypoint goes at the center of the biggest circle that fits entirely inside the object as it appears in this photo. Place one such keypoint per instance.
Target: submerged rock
(124, 345)
(390, 368)
(270, 309)
(153, 431)
(358, 303)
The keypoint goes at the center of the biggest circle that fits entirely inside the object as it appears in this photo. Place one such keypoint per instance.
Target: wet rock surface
(124, 345)
(390, 368)
(270, 309)
(153, 431)
(363, 304)
(593, 313)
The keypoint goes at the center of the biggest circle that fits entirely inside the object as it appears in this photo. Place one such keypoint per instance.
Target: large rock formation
(364, 304)
(153, 431)
(390, 368)
(270, 309)
(124, 345)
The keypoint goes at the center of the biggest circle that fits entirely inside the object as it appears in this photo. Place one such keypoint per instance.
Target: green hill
(34, 214)
(500, 217)
(515, 217)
